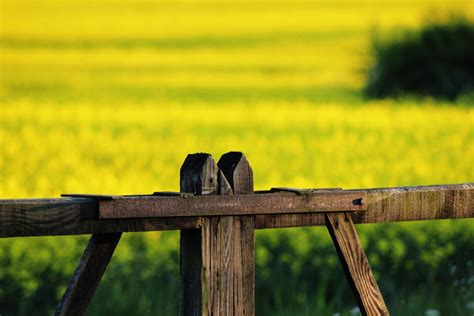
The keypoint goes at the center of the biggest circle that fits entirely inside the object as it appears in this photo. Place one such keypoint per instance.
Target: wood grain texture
(190, 270)
(237, 170)
(223, 264)
(199, 175)
(217, 261)
(228, 247)
(355, 264)
(73, 216)
(248, 204)
(384, 205)
(88, 273)
(217, 265)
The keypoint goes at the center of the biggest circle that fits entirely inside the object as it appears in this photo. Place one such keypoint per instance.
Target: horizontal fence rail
(220, 205)
(291, 208)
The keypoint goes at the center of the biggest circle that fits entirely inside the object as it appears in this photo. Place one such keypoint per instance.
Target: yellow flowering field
(110, 96)
(52, 148)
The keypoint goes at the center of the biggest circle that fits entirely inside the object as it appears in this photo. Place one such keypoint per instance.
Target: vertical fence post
(217, 261)
(237, 171)
(198, 175)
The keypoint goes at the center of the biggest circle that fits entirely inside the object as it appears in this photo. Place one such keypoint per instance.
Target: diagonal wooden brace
(88, 273)
(355, 264)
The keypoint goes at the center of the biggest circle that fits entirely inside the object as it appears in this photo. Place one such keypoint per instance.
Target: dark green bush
(437, 61)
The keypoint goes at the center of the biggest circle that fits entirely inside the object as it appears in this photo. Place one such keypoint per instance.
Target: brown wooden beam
(88, 273)
(73, 216)
(249, 204)
(355, 264)
(385, 205)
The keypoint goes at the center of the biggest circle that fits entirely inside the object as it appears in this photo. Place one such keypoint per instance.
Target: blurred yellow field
(110, 96)
(131, 148)
(55, 20)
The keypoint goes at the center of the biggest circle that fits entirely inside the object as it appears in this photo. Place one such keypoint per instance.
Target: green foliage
(35, 271)
(437, 61)
(297, 270)
(142, 278)
(410, 260)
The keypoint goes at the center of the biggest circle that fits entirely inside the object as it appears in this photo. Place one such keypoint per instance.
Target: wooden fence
(217, 211)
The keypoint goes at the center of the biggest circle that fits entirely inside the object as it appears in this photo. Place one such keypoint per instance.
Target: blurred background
(110, 96)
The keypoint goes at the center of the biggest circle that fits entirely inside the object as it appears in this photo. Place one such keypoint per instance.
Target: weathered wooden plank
(269, 203)
(453, 201)
(227, 248)
(288, 220)
(199, 175)
(190, 270)
(66, 216)
(355, 264)
(218, 274)
(222, 258)
(246, 254)
(237, 171)
(88, 273)
(73, 216)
